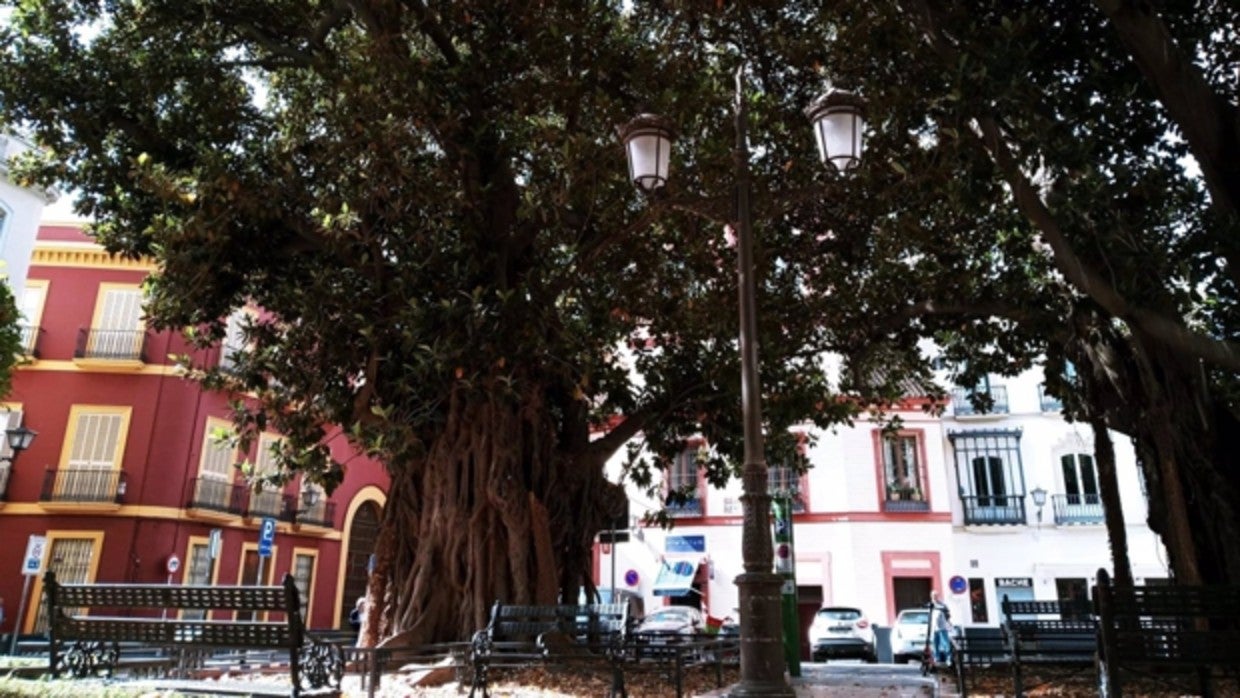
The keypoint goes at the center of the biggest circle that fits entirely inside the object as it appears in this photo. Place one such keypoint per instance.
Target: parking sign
(266, 536)
(33, 563)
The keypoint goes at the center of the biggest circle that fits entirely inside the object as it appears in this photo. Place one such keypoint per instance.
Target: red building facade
(124, 481)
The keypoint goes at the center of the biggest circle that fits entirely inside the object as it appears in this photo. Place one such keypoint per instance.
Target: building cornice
(72, 254)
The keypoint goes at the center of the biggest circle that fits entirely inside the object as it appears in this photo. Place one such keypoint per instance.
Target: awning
(676, 577)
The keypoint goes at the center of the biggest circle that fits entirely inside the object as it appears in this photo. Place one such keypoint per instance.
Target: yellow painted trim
(71, 429)
(314, 578)
(369, 493)
(37, 321)
(76, 254)
(96, 548)
(173, 514)
(110, 365)
(210, 425)
(10, 406)
(264, 578)
(79, 507)
(107, 287)
(92, 366)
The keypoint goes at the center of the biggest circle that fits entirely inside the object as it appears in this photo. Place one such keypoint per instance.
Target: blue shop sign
(686, 544)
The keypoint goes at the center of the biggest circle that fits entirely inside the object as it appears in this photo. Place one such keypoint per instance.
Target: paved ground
(835, 680)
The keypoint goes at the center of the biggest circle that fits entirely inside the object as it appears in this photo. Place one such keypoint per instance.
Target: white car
(841, 632)
(908, 635)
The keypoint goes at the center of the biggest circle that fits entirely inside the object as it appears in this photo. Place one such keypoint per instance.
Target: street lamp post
(837, 126)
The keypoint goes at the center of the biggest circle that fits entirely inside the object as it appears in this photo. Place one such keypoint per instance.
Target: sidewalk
(861, 681)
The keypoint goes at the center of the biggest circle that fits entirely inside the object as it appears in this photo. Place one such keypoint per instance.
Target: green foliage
(12, 351)
(428, 203)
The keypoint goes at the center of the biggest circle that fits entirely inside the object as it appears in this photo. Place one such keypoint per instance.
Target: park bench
(978, 647)
(1060, 636)
(1167, 631)
(87, 623)
(569, 635)
(673, 656)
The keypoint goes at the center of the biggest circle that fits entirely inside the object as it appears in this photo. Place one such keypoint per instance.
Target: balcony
(84, 485)
(322, 513)
(30, 340)
(993, 510)
(266, 503)
(1049, 403)
(214, 494)
(106, 345)
(997, 394)
(690, 506)
(1071, 509)
(900, 506)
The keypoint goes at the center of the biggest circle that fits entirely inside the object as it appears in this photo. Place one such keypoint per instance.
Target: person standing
(940, 621)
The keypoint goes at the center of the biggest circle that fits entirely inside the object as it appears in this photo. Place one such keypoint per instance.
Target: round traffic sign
(173, 564)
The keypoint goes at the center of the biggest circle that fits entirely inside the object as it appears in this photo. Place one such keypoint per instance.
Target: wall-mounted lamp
(1039, 500)
(19, 439)
(309, 496)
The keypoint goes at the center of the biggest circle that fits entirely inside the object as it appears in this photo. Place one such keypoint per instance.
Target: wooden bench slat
(1192, 630)
(86, 627)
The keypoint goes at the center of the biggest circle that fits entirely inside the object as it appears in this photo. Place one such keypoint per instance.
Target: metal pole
(758, 587)
(21, 613)
(785, 566)
(612, 598)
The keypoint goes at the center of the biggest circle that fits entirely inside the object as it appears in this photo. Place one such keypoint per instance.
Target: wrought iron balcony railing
(30, 339)
(905, 505)
(322, 513)
(984, 510)
(214, 494)
(88, 485)
(962, 405)
(110, 344)
(1078, 509)
(267, 503)
(1049, 403)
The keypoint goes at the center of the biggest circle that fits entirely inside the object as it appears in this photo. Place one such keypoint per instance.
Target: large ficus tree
(427, 204)
(1066, 186)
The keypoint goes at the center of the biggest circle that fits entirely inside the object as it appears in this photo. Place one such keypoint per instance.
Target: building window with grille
(91, 462)
(72, 560)
(197, 573)
(117, 331)
(785, 481)
(234, 343)
(268, 500)
(303, 576)
(991, 476)
(216, 467)
(683, 487)
(903, 475)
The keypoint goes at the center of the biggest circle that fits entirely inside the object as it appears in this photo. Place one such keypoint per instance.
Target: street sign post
(266, 537)
(32, 564)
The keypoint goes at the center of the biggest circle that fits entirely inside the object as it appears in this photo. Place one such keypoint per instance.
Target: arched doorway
(363, 532)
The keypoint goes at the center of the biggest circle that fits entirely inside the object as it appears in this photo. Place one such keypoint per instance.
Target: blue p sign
(266, 536)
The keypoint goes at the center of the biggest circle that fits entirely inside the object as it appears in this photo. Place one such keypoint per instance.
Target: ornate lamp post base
(762, 650)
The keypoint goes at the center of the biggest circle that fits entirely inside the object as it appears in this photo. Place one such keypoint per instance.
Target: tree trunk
(1186, 445)
(498, 509)
(1112, 505)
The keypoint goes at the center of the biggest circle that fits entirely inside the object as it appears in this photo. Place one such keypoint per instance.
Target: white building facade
(20, 211)
(884, 517)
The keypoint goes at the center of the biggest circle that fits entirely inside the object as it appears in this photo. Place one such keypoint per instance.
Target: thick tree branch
(1209, 123)
(1088, 281)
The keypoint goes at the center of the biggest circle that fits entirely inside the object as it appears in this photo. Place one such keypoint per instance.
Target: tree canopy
(429, 203)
